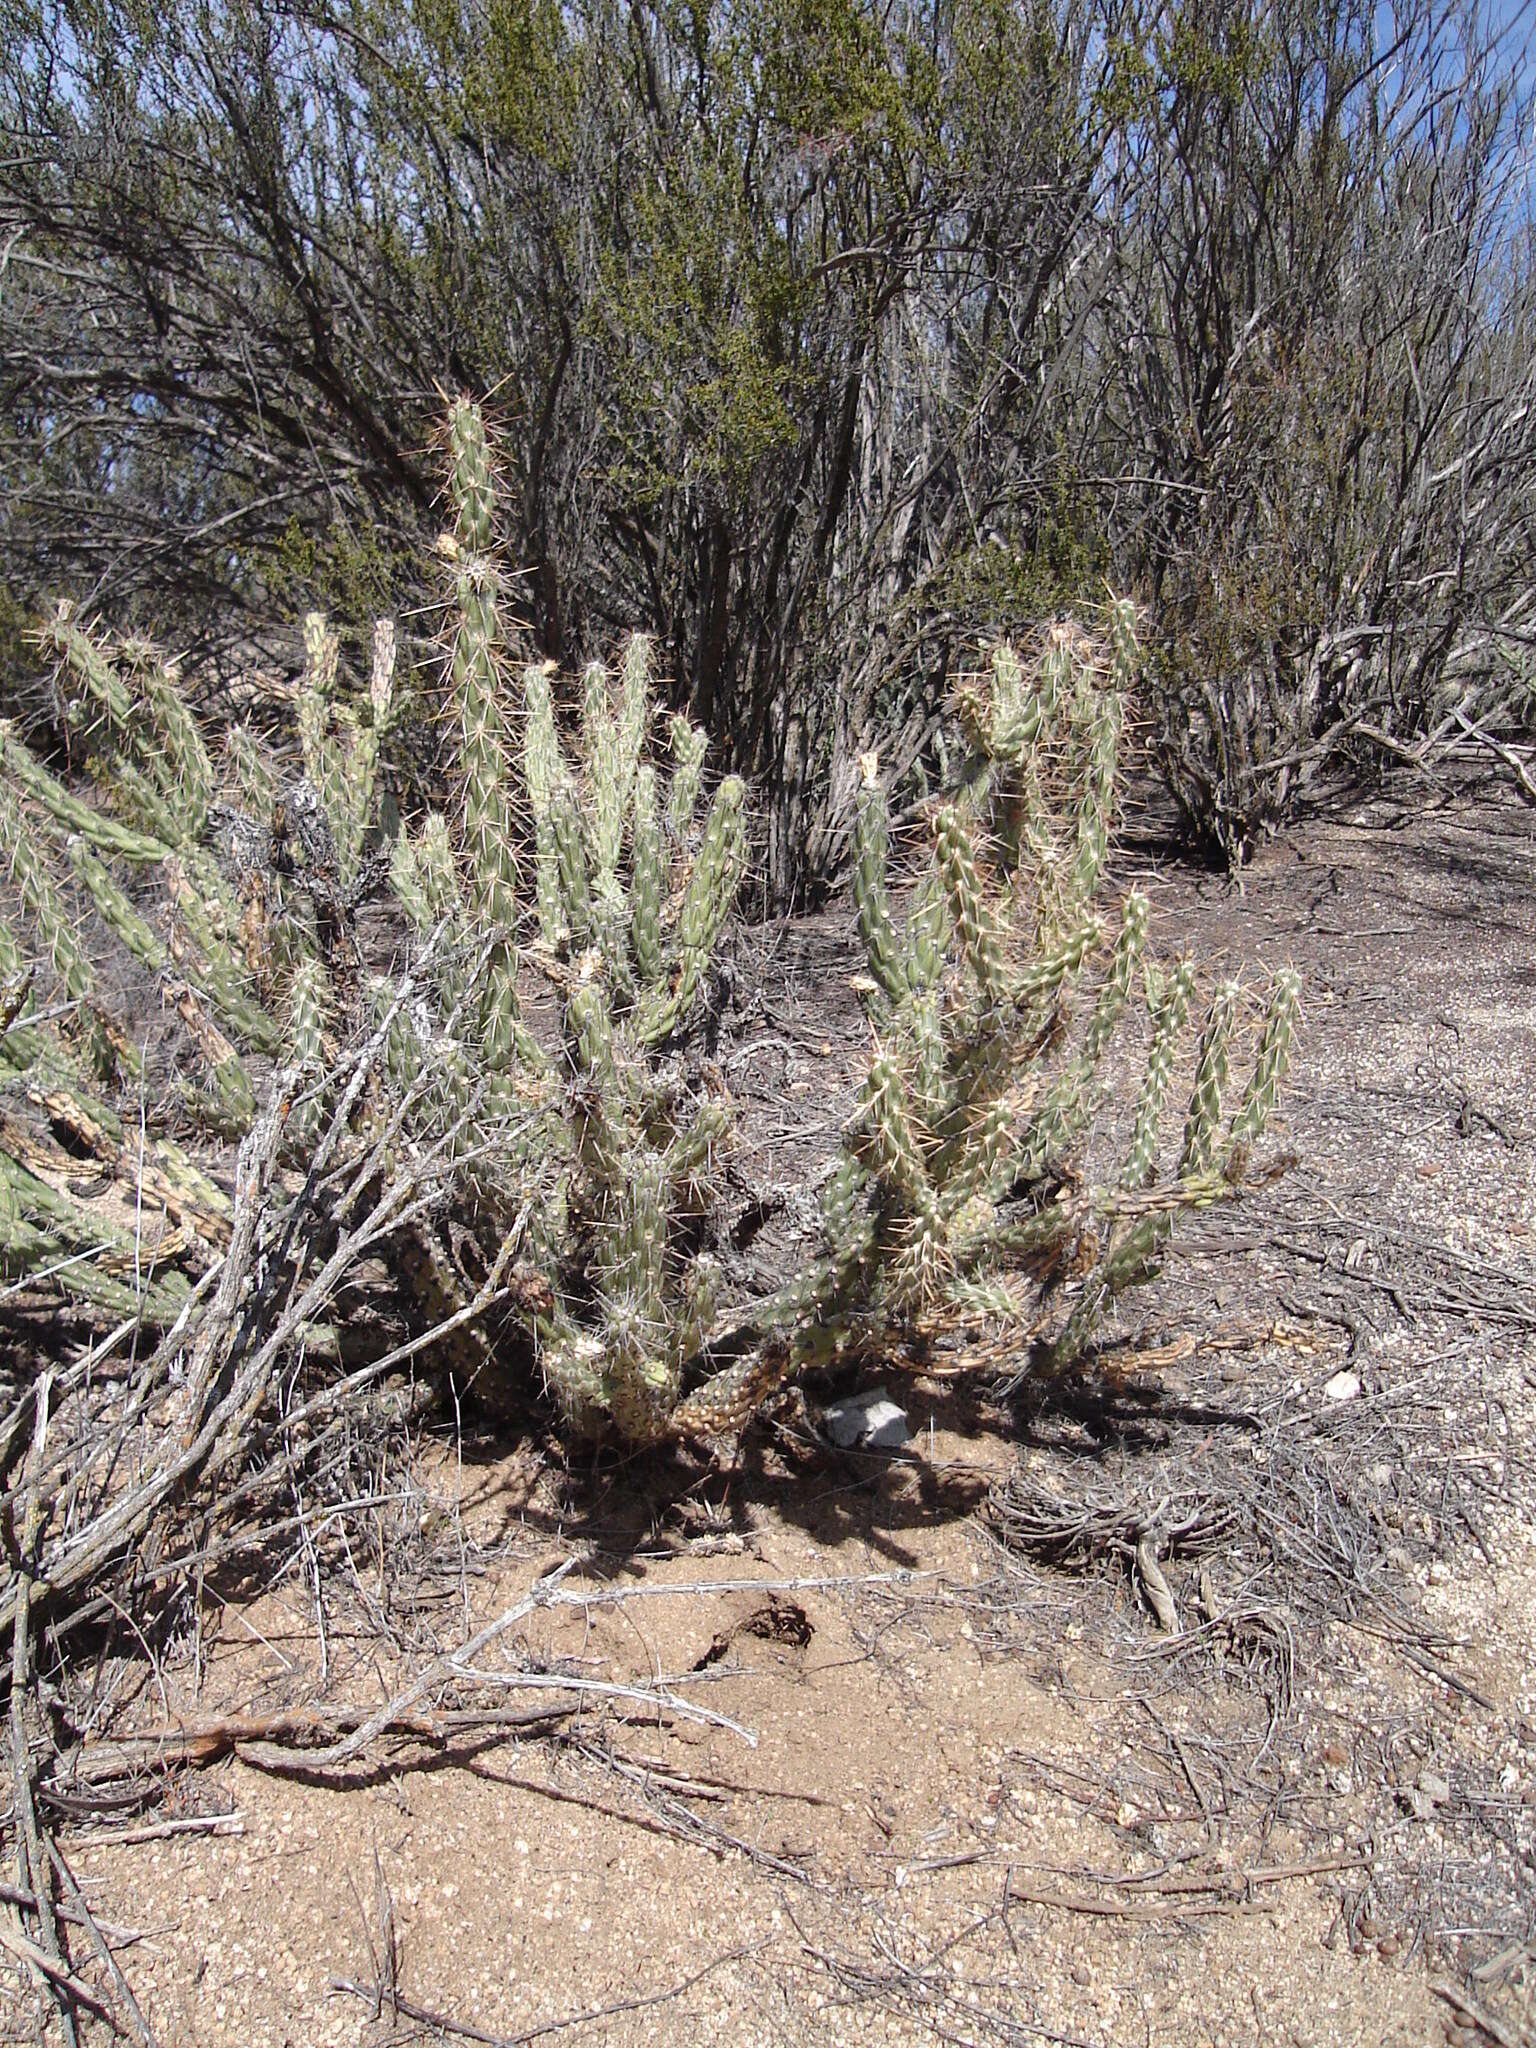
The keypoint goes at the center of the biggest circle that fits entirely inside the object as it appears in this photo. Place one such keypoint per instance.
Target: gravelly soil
(955, 1792)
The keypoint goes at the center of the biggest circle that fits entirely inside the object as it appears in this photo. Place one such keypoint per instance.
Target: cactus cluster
(961, 1187)
(568, 903)
(631, 895)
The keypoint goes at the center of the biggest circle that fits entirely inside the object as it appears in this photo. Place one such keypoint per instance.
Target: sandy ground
(914, 1787)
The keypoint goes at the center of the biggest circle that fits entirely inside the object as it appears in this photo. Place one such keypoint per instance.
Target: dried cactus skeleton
(568, 907)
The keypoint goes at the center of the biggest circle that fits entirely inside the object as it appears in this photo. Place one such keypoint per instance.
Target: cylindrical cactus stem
(546, 885)
(647, 886)
(978, 933)
(589, 1032)
(571, 869)
(500, 1016)
(404, 1057)
(635, 1257)
(104, 700)
(357, 796)
(729, 1399)
(1017, 717)
(322, 653)
(19, 1045)
(1014, 721)
(642, 1389)
(381, 679)
(1041, 982)
(1124, 647)
(406, 879)
(1056, 680)
(1210, 1080)
(308, 998)
(180, 759)
(896, 1146)
(255, 777)
(689, 744)
(694, 1315)
(845, 1213)
(572, 1362)
(547, 779)
(602, 1142)
(933, 1084)
(717, 874)
(42, 903)
(871, 859)
(470, 481)
(544, 771)
(611, 922)
(637, 677)
(1129, 1261)
(439, 877)
(22, 768)
(147, 806)
(1272, 1060)
(986, 1151)
(1073, 1100)
(1167, 1025)
(50, 1236)
(1097, 803)
(13, 967)
(694, 1155)
(488, 836)
(707, 902)
(614, 734)
(1135, 915)
(114, 908)
(928, 930)
(606, 812)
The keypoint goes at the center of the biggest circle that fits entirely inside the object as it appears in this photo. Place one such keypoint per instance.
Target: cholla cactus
(960, 1189)
(488, 832)
(611, 879)
(341, 740)
(630, 916)
(595, 846)
(615, 1154)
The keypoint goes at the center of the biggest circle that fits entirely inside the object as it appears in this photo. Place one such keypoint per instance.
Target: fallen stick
(18, 1895)
(423, 2016)
(1122, 1909)
(161, 1830)
(199, 1743)
(73, 1988)
(79, 1909)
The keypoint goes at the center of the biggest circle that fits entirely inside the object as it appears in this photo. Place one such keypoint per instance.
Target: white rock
(871, 1419)
(1344, 1386)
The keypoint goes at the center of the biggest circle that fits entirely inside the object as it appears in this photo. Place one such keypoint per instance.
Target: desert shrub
(1321, 331)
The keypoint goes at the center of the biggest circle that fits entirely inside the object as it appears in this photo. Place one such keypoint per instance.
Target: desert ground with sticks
(1189, 1701)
